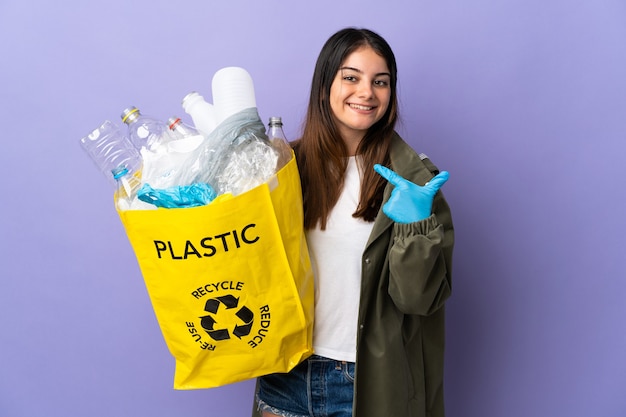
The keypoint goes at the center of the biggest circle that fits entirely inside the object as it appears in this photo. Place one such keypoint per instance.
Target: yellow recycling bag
(230, 282)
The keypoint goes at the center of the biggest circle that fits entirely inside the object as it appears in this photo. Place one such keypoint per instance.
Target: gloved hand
(410, 202)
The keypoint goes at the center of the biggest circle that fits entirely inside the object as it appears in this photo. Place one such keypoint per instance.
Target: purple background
(523, 101)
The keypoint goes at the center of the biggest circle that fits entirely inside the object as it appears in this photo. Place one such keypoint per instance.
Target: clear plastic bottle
(127, 186)
(186, 138)
(277, 138)
(202, 112)
(145, 131)
(180, 129)
(108, 147)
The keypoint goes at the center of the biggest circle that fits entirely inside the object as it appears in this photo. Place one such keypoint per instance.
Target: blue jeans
(317, 387)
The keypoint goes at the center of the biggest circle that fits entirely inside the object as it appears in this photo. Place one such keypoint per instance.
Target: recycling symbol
(244, 315)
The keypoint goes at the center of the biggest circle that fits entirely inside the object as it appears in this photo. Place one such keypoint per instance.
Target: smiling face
(360, 94)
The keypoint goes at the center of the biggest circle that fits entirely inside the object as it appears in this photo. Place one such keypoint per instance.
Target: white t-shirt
(336, 258)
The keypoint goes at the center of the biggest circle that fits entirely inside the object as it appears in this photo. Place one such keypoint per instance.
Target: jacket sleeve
(420, 261)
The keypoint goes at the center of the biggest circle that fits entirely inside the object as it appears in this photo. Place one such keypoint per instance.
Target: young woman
(380, 236)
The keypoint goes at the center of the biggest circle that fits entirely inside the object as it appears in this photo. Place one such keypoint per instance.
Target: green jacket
(406, 280)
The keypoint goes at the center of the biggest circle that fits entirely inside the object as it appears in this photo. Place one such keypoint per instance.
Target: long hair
(321, 152)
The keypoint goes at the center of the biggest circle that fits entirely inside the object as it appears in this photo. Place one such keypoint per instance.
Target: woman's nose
(365, 90)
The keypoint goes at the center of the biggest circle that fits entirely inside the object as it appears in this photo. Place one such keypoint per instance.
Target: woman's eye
(349, 78)
(381, 83)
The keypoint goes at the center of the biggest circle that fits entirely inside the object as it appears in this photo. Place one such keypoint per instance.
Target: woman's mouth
(360, 107)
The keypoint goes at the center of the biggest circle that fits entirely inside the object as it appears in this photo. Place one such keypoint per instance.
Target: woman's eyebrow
(361, 72)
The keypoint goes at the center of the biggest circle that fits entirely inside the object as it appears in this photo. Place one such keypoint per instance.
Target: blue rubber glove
(410, 202)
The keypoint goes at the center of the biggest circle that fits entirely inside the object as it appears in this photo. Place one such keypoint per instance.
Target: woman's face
(360, 93)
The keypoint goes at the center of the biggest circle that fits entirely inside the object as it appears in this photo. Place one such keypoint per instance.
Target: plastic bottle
(186, 138)
(277, 138)
(127, 186)
(180, 129)
(202, 113)
(144, 131)
(233, 91)
(109, 148)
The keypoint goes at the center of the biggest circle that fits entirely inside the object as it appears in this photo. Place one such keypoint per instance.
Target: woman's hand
(410, 202)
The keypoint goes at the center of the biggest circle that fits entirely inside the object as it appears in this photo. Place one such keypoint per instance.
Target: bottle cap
(276, 121)
(119, 171)
(172, 122)
(189, 97)
(130, 114)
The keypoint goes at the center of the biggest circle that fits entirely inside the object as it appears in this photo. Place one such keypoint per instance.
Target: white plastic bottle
(202, 112)
(233, 91)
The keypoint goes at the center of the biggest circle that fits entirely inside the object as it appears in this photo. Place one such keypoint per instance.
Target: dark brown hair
(321, 153)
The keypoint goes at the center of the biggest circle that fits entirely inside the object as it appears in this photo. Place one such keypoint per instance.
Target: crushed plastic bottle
(109, 148)
(235, 158)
